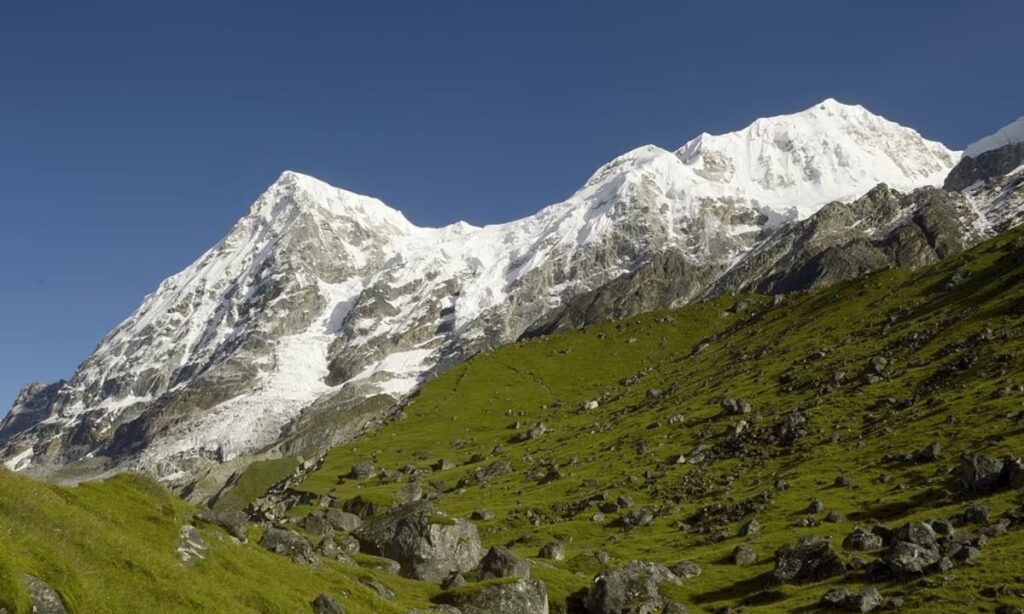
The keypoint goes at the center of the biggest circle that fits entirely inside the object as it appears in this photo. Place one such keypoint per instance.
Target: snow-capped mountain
(319, 298)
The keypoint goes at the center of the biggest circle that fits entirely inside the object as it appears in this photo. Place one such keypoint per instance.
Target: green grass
(109, 547)
(256, 480)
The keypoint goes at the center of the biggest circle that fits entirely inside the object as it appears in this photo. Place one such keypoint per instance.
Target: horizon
(129, 154)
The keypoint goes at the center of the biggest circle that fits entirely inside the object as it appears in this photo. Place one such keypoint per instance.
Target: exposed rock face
(986, 166)
(426, 547)
(500, 562)
(522, 597)
(630, 590)
(320, 299)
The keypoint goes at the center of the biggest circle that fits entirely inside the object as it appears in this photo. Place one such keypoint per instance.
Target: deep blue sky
(132, 138)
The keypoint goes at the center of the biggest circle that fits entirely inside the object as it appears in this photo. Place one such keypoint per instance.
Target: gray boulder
(343, 521)
(980, 473)
(363, 471)
(862, 540)
(45, 600)
(500, 562)
(812, 559)
(686, 569)
(554, 552)
(426, 546)
(191, 545)
(325, 605)
(630, 590)
(234, 522)
(521, 597)
(906, 560)
(290, 544)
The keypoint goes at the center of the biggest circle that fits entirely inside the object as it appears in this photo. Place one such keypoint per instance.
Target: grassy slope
(110, 547)
(746, 356)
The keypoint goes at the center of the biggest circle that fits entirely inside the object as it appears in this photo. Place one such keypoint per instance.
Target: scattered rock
(554, 552)
(906, 560)
(812, 559)
(521, 597)
(744, 554)
(686, 569)
(343, 521)
(500, 562)
(862, 540)
(426, 546)
(325, 605)
(235, 522)
(750, 527)
(45, 600)
(363, 471)
(289, 543)
(630, 590)
(980, 473)
(191, 545)
(377, 587)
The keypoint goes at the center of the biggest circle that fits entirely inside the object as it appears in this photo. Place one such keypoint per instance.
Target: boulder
(630, 590)
(343, 521)
(363, 471)
(744, 554)
(191, 545)
(235, 522)
(686, 569)
(862, 540)
(812, 559)
(45, 600)
(426, 546)
(289, 543)
(980, 473)
(325, 605)
(521, 597)
(554, 552)
(905, 560)
(500, 562)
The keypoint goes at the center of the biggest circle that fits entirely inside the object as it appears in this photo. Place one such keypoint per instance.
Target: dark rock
(443, 465)
(426, 546)
(482, 515)
(906, 560)
(554, 552)
(864, 601)
(920, 533)
(862, 540)
(630, 590)
(235, 522)
(342, 521)
(521, 597)
(363, 471)
(315, 524)
(928, 454)
(289, 543)
(980, 473)
(976, 513)
(500, 562)
(686, 569)
(834, 598)
(325, 605)
(378, 587)
(453, 580)
(812, 559)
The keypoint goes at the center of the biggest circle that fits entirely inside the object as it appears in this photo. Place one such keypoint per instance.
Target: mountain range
(322, 309)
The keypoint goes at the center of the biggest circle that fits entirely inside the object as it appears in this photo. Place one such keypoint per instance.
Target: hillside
(682, 426)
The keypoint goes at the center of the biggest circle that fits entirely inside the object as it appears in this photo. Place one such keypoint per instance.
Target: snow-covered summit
(320, 297)
(1007, 135)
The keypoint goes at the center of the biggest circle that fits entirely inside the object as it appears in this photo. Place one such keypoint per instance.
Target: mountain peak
(1008, 134)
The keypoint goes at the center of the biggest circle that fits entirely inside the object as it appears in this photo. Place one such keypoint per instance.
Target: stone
(865, 600)
(326, 605)
(976, 513)
(289, 543)
(686, 569)
(815, 507)
(191, 545)
(834, 598)
(482, 515)
(521, 597)
(235, 522)
(980, 473)
(750, 527)
(409, 493)
(812, 559)
(378, 587)
(443, 465)
(500, 562)
(554, 552)
(630, 590)
(905, 560)
(426, 546)
(342, 521)
(363, 471)
(453, 580)
(744, 554)
(315, 524)
(45, 600)
(862, 540)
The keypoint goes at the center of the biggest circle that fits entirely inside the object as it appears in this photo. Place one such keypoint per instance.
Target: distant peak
(1007, 135)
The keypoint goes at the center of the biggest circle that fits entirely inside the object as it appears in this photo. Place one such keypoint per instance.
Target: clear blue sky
(133, 134)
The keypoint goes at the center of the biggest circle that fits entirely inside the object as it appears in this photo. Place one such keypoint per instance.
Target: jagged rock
(363, 471)
(905, 560)
(45, 600)
(326, 605)
(500, 562)
(812, 559)
(289, 543)
(920, 533)
(630, 590)
(980, 473)
(409, 493)
(744, 554)
(554, 552)
(453, 580)
(426, 546)
(521, 597)
(498, 468)
(686, 569)
(343, 521)
(862, 540)
(378, 587)
(191, 545)
(865, 600)
(235, 522)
